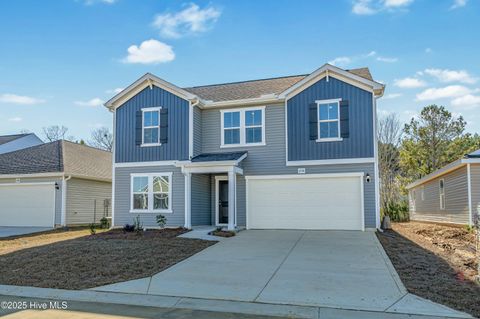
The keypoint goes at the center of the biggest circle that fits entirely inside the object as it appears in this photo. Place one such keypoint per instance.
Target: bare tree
(389, 140)
(54, 132)
(102, 138)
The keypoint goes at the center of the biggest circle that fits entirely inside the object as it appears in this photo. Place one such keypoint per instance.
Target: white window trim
(441, 192)
(242, 127)
(150, 193)
(414, 199)
(328, 139)
(150, 109)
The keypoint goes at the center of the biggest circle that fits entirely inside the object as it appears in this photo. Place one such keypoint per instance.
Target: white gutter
(469, 190)
(63, 219)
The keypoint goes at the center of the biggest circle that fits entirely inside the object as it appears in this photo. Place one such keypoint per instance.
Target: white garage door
(31, 205)
(333, 201)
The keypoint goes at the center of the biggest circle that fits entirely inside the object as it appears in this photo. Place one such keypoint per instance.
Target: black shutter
(344, 122)
(163, 126)
(138, 128)
(313, 121)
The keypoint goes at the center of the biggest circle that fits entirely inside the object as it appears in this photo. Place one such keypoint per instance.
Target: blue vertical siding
(358, 145)
(177, 146)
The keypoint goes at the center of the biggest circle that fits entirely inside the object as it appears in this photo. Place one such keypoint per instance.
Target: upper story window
(151, 193)
(243, 127)
(441, 188)
(151, 126)
(328, 120)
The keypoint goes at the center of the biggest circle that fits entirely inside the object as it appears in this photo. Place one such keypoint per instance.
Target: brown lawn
(77, 260)
(436, 262)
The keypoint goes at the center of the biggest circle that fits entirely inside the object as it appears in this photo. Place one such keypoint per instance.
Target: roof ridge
(246, 81)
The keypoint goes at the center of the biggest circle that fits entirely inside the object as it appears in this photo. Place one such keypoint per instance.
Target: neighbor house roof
(473, 157)
(8, 138)
(58, 157)
(255, 88)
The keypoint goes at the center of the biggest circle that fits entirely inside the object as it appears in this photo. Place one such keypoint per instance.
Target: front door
(222, 196)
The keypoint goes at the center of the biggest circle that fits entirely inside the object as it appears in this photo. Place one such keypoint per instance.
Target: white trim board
(217, 193)
(145, 164)
(305, 176)
(362, 160)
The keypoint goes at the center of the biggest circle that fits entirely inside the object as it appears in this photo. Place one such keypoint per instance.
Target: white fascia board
(332, 70)
(148, 80)
(471, 160)
(145, 164)
(305, 176)
(362, 160)
(4, 176)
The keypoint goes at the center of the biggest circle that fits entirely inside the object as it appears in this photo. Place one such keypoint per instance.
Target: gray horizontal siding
(201, 200)
(122, 213)
(58, 192)
(475, 182)
(177, 146)
(456, 199)
(197, 131)
(360, 142)
(85, 200)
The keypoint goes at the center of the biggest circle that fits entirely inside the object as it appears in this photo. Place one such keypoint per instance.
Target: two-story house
(295, 152)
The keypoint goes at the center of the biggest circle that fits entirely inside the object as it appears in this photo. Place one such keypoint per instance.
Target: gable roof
(237, 91)
(8, 138)
(58, 157)
(474, 154)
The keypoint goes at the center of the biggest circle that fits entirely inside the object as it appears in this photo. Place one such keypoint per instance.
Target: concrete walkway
(323, 269)
(7, 231)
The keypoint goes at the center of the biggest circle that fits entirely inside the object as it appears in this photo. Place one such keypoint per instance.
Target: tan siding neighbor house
(449, 195)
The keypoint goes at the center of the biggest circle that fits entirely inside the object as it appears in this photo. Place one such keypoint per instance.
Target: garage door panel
(31, 205)
(305, 203)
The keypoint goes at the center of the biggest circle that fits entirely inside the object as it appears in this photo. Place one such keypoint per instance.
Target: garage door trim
(360, 176)
(34, 184)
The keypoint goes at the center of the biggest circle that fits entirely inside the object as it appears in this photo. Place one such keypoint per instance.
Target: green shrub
(104, 223)
(161, 220)
(397, 211)
(93, 229)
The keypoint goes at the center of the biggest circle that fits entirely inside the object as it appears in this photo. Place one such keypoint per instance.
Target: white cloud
(409, 83)
(15, 119)
(386, 59)
(191, 20)
(150, 52)
(369, 7)
(445, 75)
(340, 61)
(114, 91)
(450, 91)
(392, 96)
(93, 102)
(468, 101)
(458, 4)
(19, 99)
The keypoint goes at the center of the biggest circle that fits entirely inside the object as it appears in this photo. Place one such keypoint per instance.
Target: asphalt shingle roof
(255, 88)
(8, 138)
(215, 157)
(474, 154)
(59, 156)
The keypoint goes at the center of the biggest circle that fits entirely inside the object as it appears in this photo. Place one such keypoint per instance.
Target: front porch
(211, 192)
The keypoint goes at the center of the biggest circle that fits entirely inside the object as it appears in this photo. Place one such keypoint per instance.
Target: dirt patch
(88, 261)
(436, 262)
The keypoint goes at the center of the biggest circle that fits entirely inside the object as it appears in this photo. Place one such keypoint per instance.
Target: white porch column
(232, 187)
(188, 200)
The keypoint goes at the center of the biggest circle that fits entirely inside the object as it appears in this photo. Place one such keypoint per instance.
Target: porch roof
(220, 157)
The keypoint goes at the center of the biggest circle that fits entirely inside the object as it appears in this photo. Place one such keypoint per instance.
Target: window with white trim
(413, 199)
(422, 194)
(243, 127)
(328, 120)
(151, 193)
(441, 189)
(151, 126)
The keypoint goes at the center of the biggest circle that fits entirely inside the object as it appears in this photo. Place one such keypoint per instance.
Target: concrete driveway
(339, 269)
(16, 231)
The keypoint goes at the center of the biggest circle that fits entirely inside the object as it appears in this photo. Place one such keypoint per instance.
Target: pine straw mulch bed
(436, 262)
(87, 261)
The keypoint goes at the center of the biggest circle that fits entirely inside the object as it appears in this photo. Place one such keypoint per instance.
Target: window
(413, 199)
(151, 193)
(422, 194)
(151, 126)
(328, 120)
(441, 186)
(243, 127)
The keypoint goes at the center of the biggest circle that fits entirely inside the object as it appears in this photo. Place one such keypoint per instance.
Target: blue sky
(59, 60)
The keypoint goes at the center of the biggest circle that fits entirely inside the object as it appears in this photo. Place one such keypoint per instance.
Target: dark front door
(223, 202)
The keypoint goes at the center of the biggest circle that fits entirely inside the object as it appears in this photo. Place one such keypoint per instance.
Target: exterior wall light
(367, 178)
(56, 186)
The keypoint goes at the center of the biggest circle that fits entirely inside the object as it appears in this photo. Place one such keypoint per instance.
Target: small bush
(137, 225)
(398, 211)
(128, 228)
(93, 229)
(104, 223)
(161, 220)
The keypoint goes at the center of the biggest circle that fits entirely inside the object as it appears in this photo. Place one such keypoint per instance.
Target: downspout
(63, 218)
(375, 154)
(469, 190)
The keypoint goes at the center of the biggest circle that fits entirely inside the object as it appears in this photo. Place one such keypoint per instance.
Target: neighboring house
(295, 152)
(10, 143)
(448, 195)
(55, 184)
